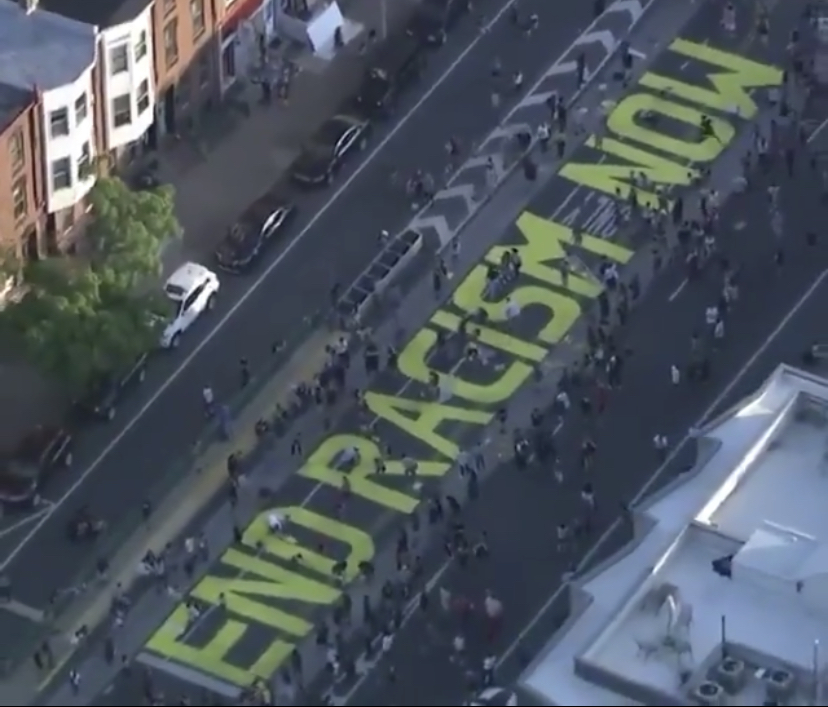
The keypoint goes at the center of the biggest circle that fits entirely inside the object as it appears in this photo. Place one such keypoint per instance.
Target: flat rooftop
(722, 596)
(99, 13)
(42, 50)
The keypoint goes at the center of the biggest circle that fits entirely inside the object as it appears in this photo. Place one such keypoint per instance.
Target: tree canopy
(80, 318)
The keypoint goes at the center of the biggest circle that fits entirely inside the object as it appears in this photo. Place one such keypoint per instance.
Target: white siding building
(69, 142)
(128, 81)
(55, 56)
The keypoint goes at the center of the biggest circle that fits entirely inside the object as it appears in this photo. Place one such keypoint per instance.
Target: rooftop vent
(780, 684)
(709, 693)
(731, 675)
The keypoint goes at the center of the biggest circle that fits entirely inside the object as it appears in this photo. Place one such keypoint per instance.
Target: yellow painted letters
(427, 418)
(625, 121)
(168, 641)
(322, 467)
(244, 596)
(288, 548)
(730, 94)
(413, 364)
(614, 179)
(492, 338)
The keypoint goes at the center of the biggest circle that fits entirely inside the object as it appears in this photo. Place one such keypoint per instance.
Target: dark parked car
(258, 226)
(434, 19)
(396, 65)
(333, 142)
(102, 398)
(24, 472)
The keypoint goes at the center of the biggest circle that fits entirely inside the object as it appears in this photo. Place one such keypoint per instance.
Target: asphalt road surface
(519, 510)
(336, 248)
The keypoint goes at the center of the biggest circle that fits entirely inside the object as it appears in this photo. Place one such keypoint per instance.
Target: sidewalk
(212, 191)
(171, 518)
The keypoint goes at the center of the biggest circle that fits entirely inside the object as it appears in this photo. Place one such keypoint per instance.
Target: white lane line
(819, 129)
(44, 509)
(645, 489)
(675, 293)
(258, 282)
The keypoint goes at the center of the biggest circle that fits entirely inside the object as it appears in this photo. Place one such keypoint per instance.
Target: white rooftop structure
(722, 596)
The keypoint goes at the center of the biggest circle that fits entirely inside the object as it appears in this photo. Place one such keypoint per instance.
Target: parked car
(396, 65)
(258, 226)
(192, 290)
(101, 399)
(26, 470)
(334, 141)
(434, 19)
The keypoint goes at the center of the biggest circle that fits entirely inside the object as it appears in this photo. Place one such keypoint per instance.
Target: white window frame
(59, 117)
(141, 46)
(81, 108)
(143, 101)
(118, 59)
(85, 159)
(116, 110)
(65, 162)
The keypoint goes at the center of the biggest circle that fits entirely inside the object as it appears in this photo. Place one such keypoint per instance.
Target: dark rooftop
(100, 13)
(12, 101)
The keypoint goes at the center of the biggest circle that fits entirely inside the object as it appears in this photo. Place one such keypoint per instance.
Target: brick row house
(86, 85)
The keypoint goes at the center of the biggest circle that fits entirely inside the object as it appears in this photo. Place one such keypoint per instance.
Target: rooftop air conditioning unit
(781, 684)
(731, 675)
(709, 693)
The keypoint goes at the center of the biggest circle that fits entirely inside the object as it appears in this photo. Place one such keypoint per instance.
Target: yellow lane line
(178, 509)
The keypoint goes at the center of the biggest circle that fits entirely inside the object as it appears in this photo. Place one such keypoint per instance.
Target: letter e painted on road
(413, 364)
(169, 641)
(260, 587)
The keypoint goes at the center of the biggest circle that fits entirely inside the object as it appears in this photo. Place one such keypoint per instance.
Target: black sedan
(258, 226)
(104, 393)
(434, 19)
(24, 472)
(334, 141)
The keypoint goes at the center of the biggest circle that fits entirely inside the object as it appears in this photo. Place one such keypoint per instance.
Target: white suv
(193, 290)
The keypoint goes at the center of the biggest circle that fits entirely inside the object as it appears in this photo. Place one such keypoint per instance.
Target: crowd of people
(689, 228)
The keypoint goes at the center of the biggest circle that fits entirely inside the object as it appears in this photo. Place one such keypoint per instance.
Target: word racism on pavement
(265, 600)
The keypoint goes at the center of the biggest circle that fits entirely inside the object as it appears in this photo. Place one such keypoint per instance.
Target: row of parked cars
(394, 65)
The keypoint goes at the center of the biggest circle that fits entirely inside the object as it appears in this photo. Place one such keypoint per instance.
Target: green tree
(71, 326)
(130, 230)
(80, 318)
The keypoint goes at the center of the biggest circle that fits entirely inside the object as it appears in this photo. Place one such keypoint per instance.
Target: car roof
(256, 213)
(186, 277)
(390, 56)
(334, 128)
